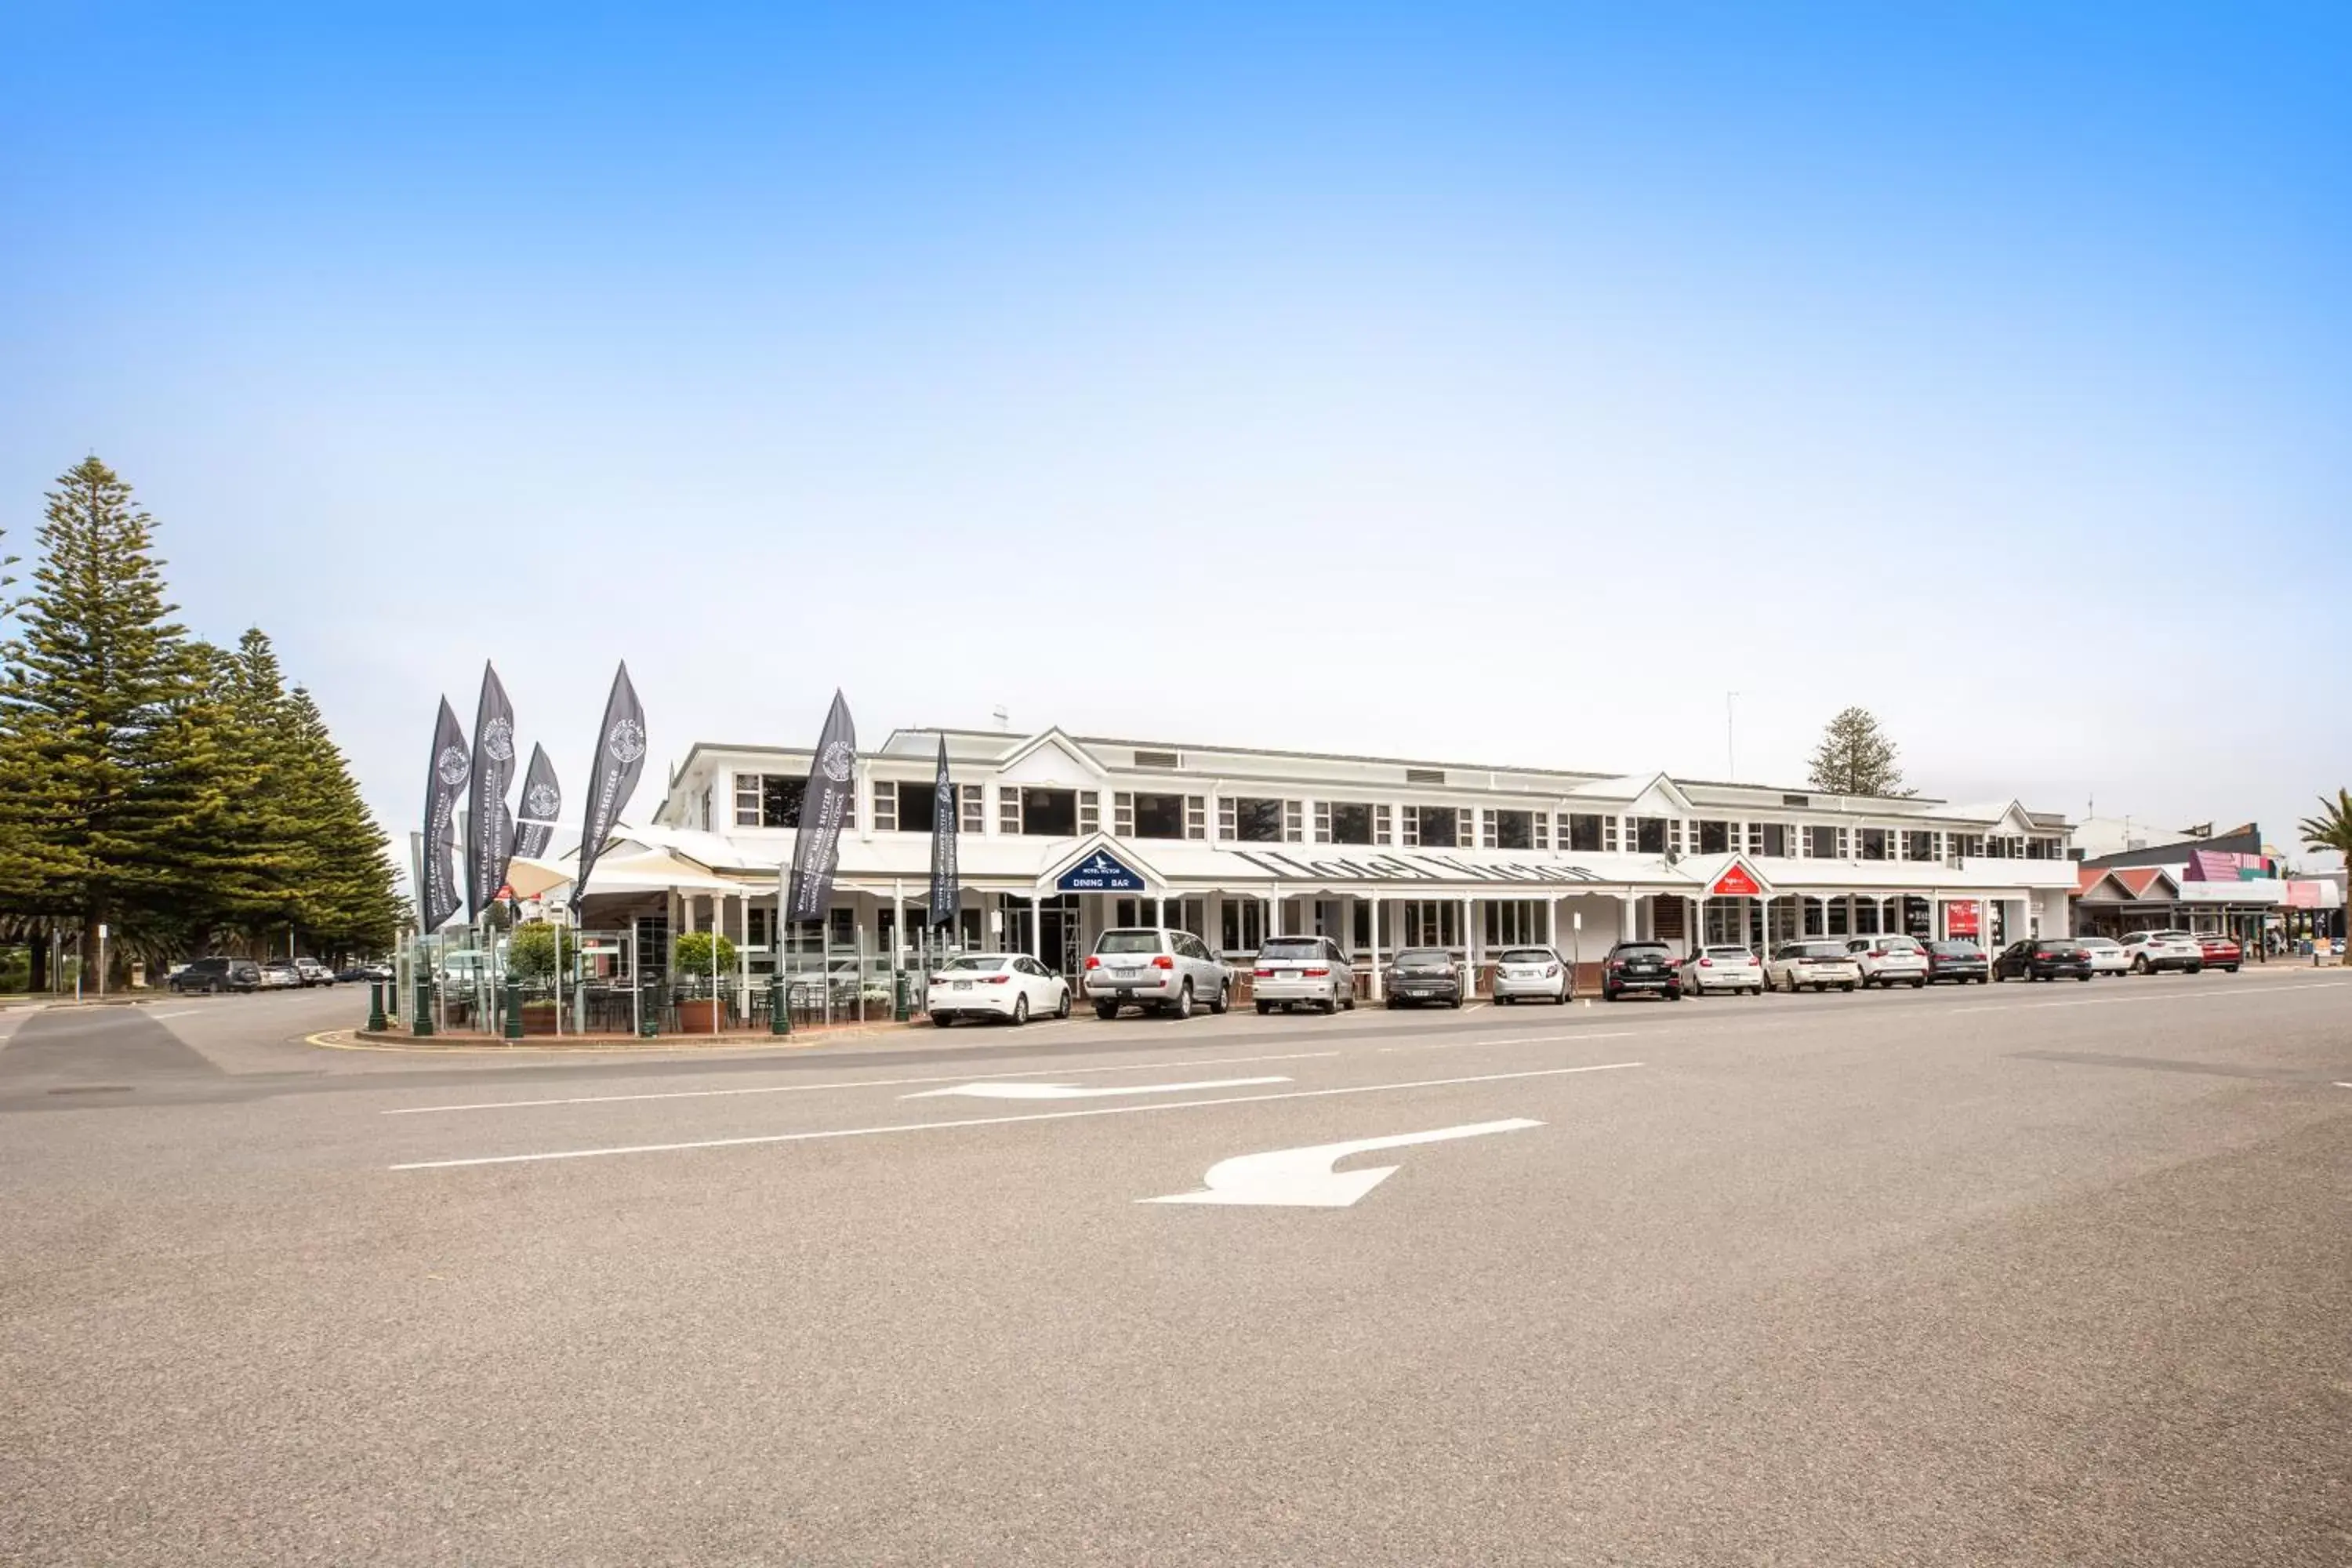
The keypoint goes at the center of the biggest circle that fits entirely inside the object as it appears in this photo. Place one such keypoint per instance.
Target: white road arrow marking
(1303, 1178)
(1074, 1091)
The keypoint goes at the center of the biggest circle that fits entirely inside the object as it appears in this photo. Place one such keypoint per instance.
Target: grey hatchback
(1424, 975)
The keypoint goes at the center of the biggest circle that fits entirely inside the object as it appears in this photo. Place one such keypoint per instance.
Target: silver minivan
(1294, 969)
(1159, 969)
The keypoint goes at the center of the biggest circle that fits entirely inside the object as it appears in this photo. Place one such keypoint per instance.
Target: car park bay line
(863, 1083)
(998, 1120)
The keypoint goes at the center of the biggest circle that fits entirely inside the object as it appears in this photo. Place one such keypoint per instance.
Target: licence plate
(1416, 990)
(963, 985)
(1125, 974)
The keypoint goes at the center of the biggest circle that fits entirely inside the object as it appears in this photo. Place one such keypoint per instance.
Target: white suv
(1889, 960)
(1160, 971)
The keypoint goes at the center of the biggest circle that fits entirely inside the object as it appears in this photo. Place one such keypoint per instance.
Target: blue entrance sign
(1098, 873)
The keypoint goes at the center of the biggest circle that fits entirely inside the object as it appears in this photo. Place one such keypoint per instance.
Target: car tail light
(1707, 964)
(1616, 963)
(1262, 973)
(1319, 973)
(1876, 953)
(1093, 961)
(1550, 970)
(1163, 962)
(994, 979)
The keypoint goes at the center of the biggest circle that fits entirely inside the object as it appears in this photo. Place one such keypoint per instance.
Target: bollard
(900, 984)
(780, 1009)
(424, 1025)
(513, 1009)
(376, 989)
(648, 1012)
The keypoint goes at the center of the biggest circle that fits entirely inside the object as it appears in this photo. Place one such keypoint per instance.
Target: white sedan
(1733, 969)
(2107, 955)
(1813, 963)
(1011, 986)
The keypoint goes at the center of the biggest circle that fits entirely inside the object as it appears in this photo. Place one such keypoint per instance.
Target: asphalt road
(2028, 1274)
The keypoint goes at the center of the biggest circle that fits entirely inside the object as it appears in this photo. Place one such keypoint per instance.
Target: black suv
(1640, 966)
(219, 975)
(2045, 958)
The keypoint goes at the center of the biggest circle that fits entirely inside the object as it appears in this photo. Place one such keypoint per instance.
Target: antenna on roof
(1004, 719)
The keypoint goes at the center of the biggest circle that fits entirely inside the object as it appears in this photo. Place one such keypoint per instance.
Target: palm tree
(2332, 829)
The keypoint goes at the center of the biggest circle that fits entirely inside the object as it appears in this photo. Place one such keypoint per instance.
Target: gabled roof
(1631, 787)
(2124, 882)
(1708, 870)
(1056, 738)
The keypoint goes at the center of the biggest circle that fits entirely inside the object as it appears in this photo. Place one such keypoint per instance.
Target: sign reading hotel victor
(1735, 883)
(1416, 867)
(1099, 873)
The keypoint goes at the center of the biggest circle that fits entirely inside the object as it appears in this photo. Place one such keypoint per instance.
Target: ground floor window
(1176, 914)
(1431, 923)
(1243, 927)
(1515, 922)
(1727, 922)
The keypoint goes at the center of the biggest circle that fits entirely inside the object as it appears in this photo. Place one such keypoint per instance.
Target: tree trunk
(41, 976)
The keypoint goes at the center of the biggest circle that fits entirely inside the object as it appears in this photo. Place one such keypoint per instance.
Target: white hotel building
(1063, 835)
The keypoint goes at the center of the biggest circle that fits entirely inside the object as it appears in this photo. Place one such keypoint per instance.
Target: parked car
(2154, 951)
(1814, 962)
(1011, 987)
(1533, 974)
(1420, 974)
(2107, 955)
(2043, 958)
(1733, 969)
(1957, 961)
(1159, 971)
(313, 973)
(214, 974)
(1291, 970)
(2220, 950)
(1889, 960)
(279, 975)
(361, 973)
(1645, 967)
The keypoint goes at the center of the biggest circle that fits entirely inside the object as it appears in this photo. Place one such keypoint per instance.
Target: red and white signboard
(1735, 883)
(1960, 918)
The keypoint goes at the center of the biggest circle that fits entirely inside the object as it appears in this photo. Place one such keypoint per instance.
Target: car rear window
(1425, 955)
(2094, 942)
(1127, 941)
(1525, 955)
(969, 964)
(1821, 950)
(1304, 947)
(1728, 952)
(1955, 948)
(1643, 948)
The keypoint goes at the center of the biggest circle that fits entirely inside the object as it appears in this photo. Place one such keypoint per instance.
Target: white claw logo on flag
(838, 759)
(541, 800)
(453, 766)
(626, 742)
(498, 740)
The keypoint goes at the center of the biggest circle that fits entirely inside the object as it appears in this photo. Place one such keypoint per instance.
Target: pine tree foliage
(1855, 758)
(177, 791)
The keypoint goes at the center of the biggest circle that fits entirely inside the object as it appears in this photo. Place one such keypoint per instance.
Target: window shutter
(1609, 833)
(886, 806)
(1122, 814)
(1486, 827)
(1089, 811)
(1225, 829)
(1322, 822)
(1196, 816)
(1383, 825)
(1412, 819)
(1543, 829)
(1293, 822)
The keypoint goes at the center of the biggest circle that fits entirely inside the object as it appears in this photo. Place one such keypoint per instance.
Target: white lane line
(996, 1120)
(1523, 1040)
(2147, 1001)
(987, 1090)
(861, 1083)
(182, 1012)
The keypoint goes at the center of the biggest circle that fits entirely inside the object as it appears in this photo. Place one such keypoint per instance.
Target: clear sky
(1494, 383)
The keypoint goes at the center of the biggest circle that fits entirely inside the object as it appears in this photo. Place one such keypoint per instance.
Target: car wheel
(2196, 969)
(1846, 987)
(2230, 969)
(1020, 1009)
(1455, 1002)
(2139, 964)
(1919, 984)
(1062, 1009)
(1105, 1010)
(941, 1020)
(1184, 1008)
(1265, 1008)
(1223, 999)
(2083, 976)
(1675, 995)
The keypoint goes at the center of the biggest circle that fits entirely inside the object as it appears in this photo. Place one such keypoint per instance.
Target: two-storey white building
(1063, 835)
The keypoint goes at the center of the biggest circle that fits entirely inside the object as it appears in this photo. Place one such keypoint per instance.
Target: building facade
(1063, 836)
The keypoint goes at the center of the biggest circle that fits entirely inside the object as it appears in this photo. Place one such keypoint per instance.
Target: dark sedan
(1957, 961)
(1424, 975)
(2045, 958)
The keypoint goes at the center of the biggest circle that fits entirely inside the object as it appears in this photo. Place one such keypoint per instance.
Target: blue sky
(1524, 378)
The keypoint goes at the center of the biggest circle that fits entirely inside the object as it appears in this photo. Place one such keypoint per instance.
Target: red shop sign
(1960, 918)
(1735, 883)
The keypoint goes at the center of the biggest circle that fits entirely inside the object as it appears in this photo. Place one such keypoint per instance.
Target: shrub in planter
(690, 956)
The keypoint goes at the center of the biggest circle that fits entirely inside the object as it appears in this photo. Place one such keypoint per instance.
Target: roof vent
(1796, 800)
(1424, 775)
(1158, 760)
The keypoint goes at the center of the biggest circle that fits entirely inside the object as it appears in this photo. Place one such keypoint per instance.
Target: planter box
(537, 1019)
(698, 1017)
